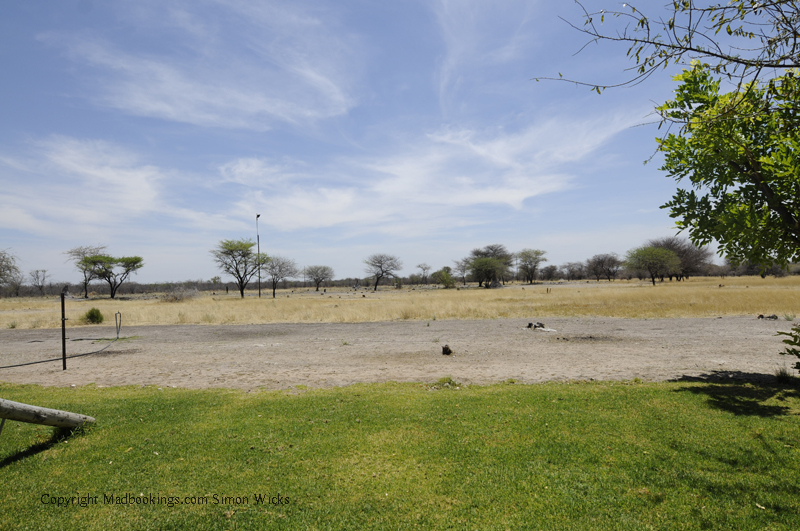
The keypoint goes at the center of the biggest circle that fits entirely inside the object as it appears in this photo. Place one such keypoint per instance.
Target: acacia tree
(656, 261)
(319, 274)
(694, 259)
(604, 266)
(237, 259)
(529, 261)
(38, 279)
(461, 267)
(487, 270)
(76, 255)
(113, 270)
(497, 252)
(424, 268)
(279, 268)
(10, 274)
(382, 265)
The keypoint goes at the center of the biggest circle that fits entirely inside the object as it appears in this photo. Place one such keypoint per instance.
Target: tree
(657, 262)
(574, 270)
(444, 277)
(38, 279)
(462, 268)
(529, 261)
(742, 40)
(604, 266)
(319, 274)
(113, 270)
(382, 265)
(742, 165)
(237, 259)
(10, 274)
(76, 255)
(279, 268)
(499, 253)
(694, 259)
(549, 273)
(488, 270)
(424, 268)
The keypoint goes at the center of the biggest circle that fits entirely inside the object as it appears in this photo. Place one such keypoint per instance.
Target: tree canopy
(743, 165)
(319, 274)
(10, 274)
(742, 40)
(382, 265)
(656, 261)
(529, 261)
(77, 254)
(237, 259)
(279, 268)
(113, 270)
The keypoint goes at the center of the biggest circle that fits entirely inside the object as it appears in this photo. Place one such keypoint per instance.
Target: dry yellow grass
(699, 297)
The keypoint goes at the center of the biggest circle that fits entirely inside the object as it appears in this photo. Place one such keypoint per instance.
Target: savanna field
(436, 454)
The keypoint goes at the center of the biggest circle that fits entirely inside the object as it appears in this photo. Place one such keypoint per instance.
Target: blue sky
(413, 128)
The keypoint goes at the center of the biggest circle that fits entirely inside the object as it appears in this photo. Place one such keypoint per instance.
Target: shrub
(93, 316)
(794, 344)
(179, 295)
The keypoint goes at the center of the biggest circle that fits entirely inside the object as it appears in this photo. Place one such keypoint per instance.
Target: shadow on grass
(58, 435)
(743, 393)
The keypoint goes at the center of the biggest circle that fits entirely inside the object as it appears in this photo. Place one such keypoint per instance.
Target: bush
(93, 316)
(794, 343)
(179, 295)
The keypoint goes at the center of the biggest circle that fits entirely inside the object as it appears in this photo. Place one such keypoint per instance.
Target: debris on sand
(446, 350)
(772, 317)
(539, 326)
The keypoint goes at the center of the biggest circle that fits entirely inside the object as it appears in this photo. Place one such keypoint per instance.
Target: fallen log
(42, 415)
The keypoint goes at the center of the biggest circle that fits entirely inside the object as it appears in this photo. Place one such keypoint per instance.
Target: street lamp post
(258, 256)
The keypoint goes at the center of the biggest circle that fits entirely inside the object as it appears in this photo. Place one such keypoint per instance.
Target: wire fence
(118, 324)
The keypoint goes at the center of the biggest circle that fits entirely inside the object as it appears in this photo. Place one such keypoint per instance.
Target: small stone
(446, 350)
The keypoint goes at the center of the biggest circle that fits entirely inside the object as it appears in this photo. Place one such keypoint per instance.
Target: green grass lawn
(687, 455)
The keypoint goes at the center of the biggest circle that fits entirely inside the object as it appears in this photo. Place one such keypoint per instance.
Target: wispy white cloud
(478, 36)
(241, 66)
(67, 186)
(441, 178)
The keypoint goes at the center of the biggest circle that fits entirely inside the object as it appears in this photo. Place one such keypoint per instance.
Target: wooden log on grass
(42, 415)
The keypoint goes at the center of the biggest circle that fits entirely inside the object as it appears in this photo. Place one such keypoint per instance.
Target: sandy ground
(278, 356)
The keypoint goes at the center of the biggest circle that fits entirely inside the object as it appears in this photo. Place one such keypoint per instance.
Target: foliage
(38, 279)
(656, 261)
(93, 316)
(77, 255)
(424, 268)
(237, 259)
(487, 271)
(113, 270)
(503, 261)
(793, 348)
(382, 265)
(574, 270)
(743, 165)
(694, 259)
(529, 261)
(179, 294)
(575, 455)
(10, 274)
(741, 39)
(444, 278)
(279, 268)
(604, 266)
(318, 274)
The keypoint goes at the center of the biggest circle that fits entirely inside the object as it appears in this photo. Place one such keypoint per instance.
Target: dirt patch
(277, 356)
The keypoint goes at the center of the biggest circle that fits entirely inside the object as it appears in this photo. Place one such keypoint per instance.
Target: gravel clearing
(279, 356)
